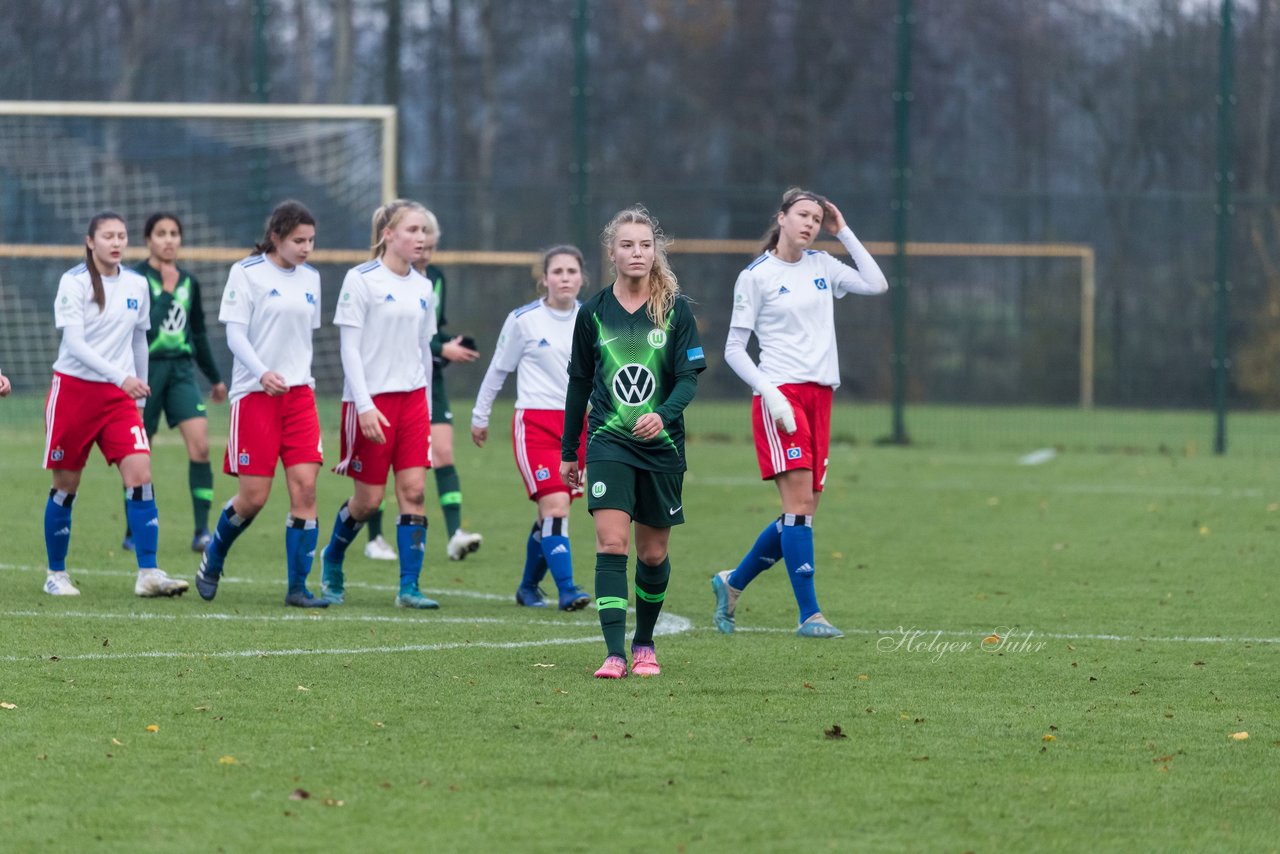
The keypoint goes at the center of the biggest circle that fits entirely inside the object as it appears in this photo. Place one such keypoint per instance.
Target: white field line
(1039, 489)
(1021, 634)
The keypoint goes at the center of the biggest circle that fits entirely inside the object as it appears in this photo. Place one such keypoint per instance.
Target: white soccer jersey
(536, 340)
(108, 332)
(398, 316)
(280, 308)
(789, 308)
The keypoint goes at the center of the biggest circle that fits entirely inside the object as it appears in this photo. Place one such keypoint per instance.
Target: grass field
(1134, 592)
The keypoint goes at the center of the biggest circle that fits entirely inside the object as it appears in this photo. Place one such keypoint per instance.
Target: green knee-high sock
(450, 489)
(611, 600)
(374, 523)
(651, 589)
(200, 478)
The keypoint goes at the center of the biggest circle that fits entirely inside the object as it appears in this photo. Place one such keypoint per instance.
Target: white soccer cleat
(379, 549)
(153, 582)
(462, 543)
(59, 584)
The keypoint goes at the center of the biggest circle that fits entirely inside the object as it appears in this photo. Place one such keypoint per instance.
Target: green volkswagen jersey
(177, 321)
(632, 367)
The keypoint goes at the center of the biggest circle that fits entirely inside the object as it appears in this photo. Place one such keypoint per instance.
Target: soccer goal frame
(386, 116)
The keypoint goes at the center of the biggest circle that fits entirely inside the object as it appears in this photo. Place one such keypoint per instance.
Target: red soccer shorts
(79, 413)
(806, 448)
(535, 438)
(408, 436)
(265, 429)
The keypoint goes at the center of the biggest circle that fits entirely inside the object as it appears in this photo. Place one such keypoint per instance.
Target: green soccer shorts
(652, 498)
(174, 392)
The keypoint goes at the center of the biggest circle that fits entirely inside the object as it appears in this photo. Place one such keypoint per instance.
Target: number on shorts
(139, 439)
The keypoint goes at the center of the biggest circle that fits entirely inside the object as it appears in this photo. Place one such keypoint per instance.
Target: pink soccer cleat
(614, 667)
(644, 661)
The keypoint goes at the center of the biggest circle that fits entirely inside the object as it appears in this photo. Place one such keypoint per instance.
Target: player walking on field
(446, 350)
(386, 314)
(177, 337)
(271, 306)
(99, 379)
(536, 340)
(636, 357)
(785, 296)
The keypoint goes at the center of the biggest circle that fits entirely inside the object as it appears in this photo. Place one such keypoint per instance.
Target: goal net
(219, 167)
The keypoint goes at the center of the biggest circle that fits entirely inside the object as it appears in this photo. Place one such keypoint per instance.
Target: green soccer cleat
(726, 601)
(332, 580)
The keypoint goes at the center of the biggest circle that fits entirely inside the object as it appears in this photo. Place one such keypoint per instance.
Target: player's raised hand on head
(832, 219)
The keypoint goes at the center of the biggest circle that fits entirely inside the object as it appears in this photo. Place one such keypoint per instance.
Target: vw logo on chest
(633, 384)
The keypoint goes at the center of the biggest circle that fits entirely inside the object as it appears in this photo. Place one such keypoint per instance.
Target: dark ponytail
(287, 216)
(789, 198)
(95, 275)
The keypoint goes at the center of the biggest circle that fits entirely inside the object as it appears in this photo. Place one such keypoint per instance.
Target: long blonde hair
(663, 287)
(389, 216)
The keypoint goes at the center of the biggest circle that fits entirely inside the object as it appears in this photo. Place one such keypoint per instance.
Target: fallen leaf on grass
(835, 732)
(1239, 736)
(299, 795)
(561, 691)
(1048, 737)
(809, 686)
(152, 728)
(1160, 759)
(862, 677)
(117, 742)
(228, 760)
(303, 688)
(9, 706)
(540, 664)
(330, 802)
(200, 708)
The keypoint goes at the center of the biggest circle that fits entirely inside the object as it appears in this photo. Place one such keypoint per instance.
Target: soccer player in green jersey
(636, 358)
(177, 338)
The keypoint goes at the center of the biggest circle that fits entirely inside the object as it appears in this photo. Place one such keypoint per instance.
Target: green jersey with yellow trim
(634, 366)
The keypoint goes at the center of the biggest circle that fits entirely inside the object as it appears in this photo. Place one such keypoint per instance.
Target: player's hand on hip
(135, 388)
(479, 435)
(570, 474)
(371, 424)
(648, 426)
(273, 383)
(218, 392)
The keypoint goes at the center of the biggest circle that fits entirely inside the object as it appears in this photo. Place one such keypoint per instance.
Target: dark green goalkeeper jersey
(628, 366)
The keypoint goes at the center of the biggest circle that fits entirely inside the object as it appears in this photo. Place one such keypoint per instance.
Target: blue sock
(555, 548)
(411, 542)
(144, 521)
(57, 528)
(345, 530)
(797, 550)
(229, 527)
(766, 551)
(300, 539)
(535, 565)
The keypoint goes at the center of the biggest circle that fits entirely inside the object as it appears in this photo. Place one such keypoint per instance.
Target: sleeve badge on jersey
(131, 304)
(694, 354)
(311, 298)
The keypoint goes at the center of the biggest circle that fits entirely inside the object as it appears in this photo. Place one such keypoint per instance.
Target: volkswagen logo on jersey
(175, 320)
(821, 283)
(633, 384)
(657, 338)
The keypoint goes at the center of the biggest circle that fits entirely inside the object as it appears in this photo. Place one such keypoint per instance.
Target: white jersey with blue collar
(789, 306)
(397, 316)
(108, 331)
(281, 308)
